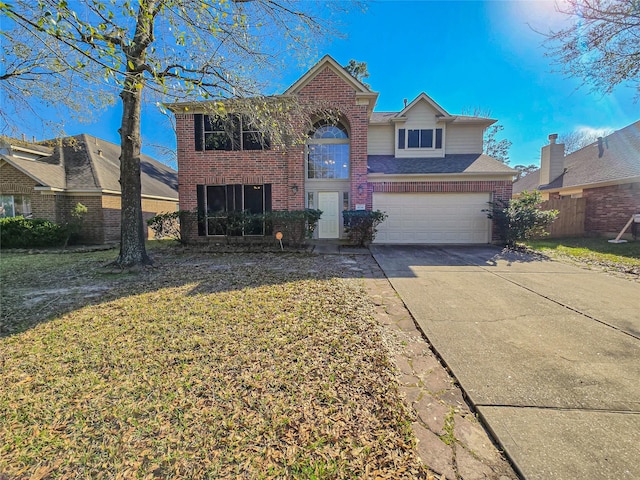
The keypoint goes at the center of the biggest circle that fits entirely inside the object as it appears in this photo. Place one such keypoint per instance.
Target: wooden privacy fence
(570, 221)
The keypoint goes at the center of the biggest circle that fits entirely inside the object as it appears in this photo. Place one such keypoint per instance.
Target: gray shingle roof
(619, 160)
(94, 163)
(454, 163)
(85, 162)
(377, 117)
(527, 183)
(46, 174)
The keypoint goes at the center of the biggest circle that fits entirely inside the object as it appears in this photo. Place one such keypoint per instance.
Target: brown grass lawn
(205, 366)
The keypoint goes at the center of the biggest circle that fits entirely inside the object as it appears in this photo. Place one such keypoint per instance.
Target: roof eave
(25, 171)
(606, 183)
(442, 174)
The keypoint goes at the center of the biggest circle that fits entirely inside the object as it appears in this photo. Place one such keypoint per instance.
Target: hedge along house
(421, 165)
(46, 182)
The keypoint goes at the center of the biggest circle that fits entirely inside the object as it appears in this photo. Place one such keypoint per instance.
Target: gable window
(328, 152)
(220, 208)
(231, 132)
(15, 206)
(420, 138)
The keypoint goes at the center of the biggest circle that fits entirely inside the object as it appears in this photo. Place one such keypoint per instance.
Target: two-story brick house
(423, 166)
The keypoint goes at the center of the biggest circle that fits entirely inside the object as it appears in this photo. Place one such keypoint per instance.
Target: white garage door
(433, 217)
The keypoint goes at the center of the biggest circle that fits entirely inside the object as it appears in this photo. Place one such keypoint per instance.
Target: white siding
(380, 140)
(464, 139)
(420, 116)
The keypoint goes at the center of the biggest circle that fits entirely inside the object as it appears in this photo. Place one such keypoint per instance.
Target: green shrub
(520, 218)
(74, 225)
(165, 225)
(296, 225)
(361, 226)
(20, 232)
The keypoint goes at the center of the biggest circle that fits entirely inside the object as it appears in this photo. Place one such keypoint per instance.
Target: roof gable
(45, 174)
(327, 61)
(423, 97)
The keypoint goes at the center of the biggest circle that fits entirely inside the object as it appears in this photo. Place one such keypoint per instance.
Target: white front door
(329, 223)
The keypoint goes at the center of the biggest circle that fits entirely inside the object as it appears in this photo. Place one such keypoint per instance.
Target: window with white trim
(328, 152)
(15, 206)
(424, 138)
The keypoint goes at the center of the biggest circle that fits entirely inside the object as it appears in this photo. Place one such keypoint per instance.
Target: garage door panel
(433, 217)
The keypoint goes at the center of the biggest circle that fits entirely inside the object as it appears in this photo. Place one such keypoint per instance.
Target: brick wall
(609, 208)
(330, 91)
(92, 231)
(282, 168)
(101, 223)
(14, 182)
(111, 215)
(151, 208)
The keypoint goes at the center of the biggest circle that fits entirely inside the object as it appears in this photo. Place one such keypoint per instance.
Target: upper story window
(232, 132)
(420, 138)
(328, 152)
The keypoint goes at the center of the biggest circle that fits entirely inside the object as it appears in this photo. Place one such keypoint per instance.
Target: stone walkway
(451, 440)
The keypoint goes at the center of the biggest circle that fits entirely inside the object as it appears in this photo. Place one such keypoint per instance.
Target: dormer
(423, 129)
(420, 129)
(24, 150)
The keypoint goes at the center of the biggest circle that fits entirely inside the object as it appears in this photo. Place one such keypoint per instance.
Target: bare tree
(524, 170)
(601, 46)
(498, 149)
(578, 139)
(174, 50)
(34, 76)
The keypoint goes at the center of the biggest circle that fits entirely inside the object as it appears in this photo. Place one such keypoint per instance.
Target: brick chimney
(551, 160)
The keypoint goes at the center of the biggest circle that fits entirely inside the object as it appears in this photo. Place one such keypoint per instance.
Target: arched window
(328, 151)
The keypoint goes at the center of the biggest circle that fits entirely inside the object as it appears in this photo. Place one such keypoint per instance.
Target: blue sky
(463, 54)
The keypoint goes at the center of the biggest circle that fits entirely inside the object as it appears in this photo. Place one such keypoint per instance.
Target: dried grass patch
(263, 366)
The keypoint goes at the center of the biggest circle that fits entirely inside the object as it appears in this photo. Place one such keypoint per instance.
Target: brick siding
(282, 168)
(608, 208)
(101, 223)
(111, 205)
(44, 205)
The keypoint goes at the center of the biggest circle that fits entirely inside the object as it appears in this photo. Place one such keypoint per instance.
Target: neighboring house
(422, 166)
(605, 173)
(41, 181)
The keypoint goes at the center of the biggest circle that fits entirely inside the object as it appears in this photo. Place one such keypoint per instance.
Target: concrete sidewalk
(549, 354)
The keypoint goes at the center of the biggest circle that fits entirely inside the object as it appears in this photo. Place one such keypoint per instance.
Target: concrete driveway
(548, 353)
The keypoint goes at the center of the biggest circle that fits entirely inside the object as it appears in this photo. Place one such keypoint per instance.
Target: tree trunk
(132, 228)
